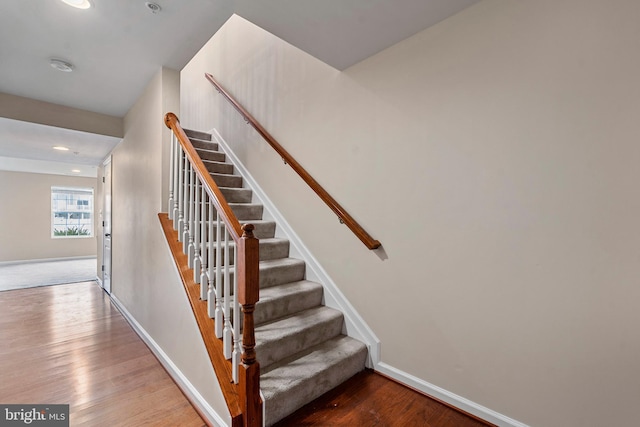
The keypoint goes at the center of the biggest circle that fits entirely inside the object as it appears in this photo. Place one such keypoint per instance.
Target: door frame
(107, 190)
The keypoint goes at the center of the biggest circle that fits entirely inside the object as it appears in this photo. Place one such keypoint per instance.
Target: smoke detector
(153, 7)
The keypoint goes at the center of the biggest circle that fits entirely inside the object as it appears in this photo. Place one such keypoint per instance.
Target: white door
(106, 217)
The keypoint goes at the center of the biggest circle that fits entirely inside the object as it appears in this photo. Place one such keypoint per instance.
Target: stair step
(284, 337)
(282, 300)
(280, 271)
(223, 180)
(263, 229)
(197, 134)
(274, 272)
(247, 211)
(216, 156)
(236, 195)
(207, 145)
(218, 167)
(291, 383)
(270, 248)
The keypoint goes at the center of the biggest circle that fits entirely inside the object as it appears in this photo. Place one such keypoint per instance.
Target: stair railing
(343, 215)
(224, 256)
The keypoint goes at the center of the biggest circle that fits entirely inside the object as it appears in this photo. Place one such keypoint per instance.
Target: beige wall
(25, 222)
(144, 277)
(495, 156)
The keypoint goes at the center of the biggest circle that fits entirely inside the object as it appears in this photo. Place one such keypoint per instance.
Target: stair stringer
(354, 325)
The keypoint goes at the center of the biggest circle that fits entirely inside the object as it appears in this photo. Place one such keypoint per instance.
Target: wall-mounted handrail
(228, 273)
(343, 215)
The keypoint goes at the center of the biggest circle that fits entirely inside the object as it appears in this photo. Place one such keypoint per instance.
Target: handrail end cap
(168, 117)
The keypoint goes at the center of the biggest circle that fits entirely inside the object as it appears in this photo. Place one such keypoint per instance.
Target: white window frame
(70, 208)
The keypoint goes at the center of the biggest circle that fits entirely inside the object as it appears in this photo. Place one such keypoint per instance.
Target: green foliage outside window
(72, 231)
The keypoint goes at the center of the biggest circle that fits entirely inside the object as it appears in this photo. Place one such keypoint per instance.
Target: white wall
(495, 156)
(25, 219)
(144, 277)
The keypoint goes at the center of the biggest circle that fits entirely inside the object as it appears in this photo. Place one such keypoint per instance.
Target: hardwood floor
(369, 399)
(67, 344)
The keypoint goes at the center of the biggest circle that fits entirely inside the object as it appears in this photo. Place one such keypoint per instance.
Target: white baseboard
(185, 385)
(448, 397)
(28, 261)
(355, 326)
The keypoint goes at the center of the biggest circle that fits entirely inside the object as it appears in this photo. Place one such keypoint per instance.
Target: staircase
(299, 342)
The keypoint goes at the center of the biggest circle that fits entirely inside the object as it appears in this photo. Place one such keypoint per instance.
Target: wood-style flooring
(67, 344)
(369, 399)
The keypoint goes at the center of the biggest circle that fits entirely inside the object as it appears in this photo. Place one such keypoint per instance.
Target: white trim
(185, 385)
(355, 326)
(448, 397)
(29, 261)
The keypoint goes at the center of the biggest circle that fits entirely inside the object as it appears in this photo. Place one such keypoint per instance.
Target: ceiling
(117, 46)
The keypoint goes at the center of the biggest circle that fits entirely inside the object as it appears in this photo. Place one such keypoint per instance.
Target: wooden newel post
(248, 296)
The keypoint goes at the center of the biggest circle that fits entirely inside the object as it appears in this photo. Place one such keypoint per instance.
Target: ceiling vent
(61, 65)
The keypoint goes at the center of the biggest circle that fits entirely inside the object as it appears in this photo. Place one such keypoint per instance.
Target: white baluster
(179, 225)
(219, 315)
(204, 283)
(196, 236)
(237, 338)
(185, 205)
(171, 177)
(192, 208)
(177, 150)
(211, 296)
(227, 335)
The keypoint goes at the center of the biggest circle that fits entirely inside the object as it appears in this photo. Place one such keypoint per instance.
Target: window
(71, 212)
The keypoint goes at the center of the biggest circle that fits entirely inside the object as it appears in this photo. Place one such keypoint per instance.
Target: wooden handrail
(343, 215)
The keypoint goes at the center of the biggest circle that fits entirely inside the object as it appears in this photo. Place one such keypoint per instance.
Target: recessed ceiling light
(80, 4)
(61, 65)
(61, 148)
(153, 7)
(76, 170)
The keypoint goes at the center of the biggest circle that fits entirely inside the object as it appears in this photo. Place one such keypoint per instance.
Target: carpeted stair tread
(275, 272)
(246, 211)
(283, 337)
(216, 156)
(282, 300)
(197, 134)
(293, 382)
(206, 145)
(218, 167)
(279, 271)
(263, 229)
(225, 180)
(270, 248)
(236, 195)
